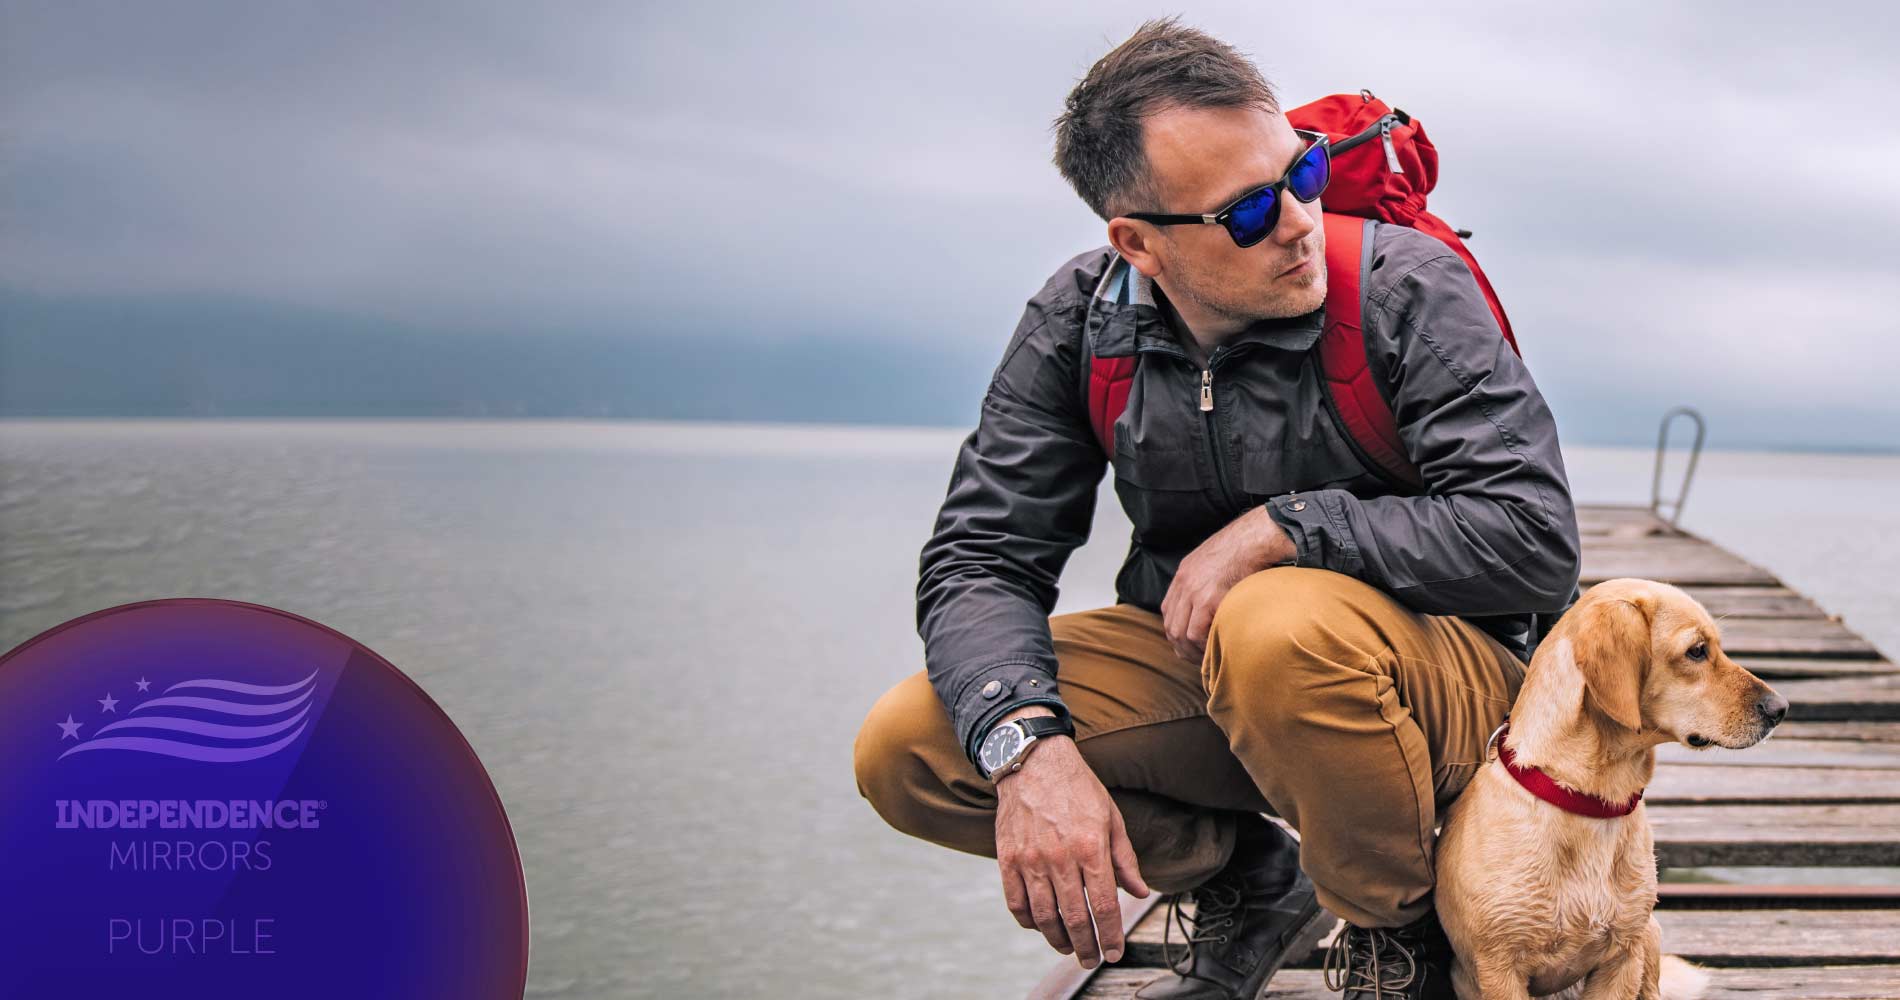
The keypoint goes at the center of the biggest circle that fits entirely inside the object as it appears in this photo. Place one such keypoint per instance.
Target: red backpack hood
(1383, 164)
(1383, 168)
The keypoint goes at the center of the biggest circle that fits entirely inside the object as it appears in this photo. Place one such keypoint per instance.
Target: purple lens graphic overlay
(204, 798)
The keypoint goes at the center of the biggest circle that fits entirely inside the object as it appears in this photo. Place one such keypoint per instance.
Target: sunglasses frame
(1280, 188)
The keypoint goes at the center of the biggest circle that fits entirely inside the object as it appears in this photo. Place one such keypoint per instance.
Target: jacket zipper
(1212, 420)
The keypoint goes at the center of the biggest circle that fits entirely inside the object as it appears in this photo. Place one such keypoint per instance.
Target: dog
(1546, 868)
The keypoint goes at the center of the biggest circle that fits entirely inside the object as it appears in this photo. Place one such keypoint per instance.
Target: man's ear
(1612, 645)
(1135, 241)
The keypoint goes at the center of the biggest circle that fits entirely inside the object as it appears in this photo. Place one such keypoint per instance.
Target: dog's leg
(1499, 979)
(1622, 974)
(1464, 979)
(1652, 960)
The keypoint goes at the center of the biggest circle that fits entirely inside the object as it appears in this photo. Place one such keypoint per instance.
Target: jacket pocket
(1166, 469)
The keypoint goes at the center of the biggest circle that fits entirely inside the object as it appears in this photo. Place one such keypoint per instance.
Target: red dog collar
(1545, 787)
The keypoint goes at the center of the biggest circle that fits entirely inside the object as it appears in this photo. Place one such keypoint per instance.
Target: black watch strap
(1040, 726)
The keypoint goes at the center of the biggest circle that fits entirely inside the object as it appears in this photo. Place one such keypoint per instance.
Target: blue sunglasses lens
(1309, 176)
(1254, 216)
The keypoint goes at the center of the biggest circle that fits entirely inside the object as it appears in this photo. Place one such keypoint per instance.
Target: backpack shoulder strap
(1109, 379)
(1352, 390)
(1352, 387)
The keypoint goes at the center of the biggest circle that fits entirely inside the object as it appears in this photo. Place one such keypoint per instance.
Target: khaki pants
(1321, 700)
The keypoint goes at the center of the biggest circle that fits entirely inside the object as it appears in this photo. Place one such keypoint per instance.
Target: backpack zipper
(1381, 128)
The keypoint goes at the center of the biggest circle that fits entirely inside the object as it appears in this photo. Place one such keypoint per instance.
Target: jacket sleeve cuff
(1316, 521)
(995, 691)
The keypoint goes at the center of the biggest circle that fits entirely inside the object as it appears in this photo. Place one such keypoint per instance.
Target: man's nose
(1297, 219)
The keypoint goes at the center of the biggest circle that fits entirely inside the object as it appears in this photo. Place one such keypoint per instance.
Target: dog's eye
(1699, 651)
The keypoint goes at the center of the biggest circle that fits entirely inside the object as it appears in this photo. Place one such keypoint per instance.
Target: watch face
(999, 746)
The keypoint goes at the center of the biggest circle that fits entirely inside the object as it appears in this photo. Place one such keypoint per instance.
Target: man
(1293, 634)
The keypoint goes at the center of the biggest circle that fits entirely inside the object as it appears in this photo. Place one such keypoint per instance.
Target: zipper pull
(1207, 390)
(1391, 154)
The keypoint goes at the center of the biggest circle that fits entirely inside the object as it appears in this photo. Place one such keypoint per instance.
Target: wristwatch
(1005, 746)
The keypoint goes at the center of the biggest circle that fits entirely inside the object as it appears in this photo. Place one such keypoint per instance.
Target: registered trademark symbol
(324, 804)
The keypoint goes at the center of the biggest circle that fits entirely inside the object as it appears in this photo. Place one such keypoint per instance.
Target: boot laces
(1217, 918)
(1370, 960)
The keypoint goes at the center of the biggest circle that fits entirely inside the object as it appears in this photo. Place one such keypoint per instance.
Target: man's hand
(1057, 835)
(1250, 543)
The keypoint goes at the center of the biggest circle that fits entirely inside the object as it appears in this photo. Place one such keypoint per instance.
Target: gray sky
(1678, 203)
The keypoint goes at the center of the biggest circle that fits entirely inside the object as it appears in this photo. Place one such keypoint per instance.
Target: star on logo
(69, 728)
(109, 704)
(143, 684)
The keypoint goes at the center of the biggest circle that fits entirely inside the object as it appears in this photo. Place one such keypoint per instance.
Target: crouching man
(1295, 634)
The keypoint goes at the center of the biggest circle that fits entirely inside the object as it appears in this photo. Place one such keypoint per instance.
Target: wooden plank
(1868, 732)
(1702, 836)
(1622, 528)
(1875, 698)
(1724, 896)
(1783, 937)
(1822, 982)
(1756, 602)
(1780, 752)
(1816, 637)
(1681, 561)
(1617, 515)
(1771, 785)
(1793, 667)
(1827, 982)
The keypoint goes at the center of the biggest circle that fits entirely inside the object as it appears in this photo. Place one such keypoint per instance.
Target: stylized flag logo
(238, 722)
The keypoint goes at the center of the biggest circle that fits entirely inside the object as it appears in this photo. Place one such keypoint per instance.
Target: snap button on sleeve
(992, 689)
(1297, 505)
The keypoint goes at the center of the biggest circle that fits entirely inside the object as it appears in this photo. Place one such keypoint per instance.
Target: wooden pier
(1823, 793)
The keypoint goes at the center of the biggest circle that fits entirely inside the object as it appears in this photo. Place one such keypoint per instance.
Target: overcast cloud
(1678, 203)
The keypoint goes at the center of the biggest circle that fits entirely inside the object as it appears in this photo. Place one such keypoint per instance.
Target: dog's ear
(1612, 648)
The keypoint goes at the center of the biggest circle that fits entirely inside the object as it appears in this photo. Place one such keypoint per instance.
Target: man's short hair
(1163, 65)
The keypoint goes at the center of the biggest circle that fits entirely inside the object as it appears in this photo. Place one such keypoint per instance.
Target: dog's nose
(1773, 707)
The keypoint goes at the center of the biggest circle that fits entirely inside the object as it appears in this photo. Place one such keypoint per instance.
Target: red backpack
(1383, 167)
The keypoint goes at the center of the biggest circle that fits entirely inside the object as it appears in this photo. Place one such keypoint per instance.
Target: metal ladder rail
(1656, 501)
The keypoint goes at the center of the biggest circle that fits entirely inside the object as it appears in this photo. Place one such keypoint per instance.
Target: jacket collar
(1123, 318)
(1546, 787)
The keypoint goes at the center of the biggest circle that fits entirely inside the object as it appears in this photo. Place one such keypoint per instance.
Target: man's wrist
(1276, 547)
(1024, 712)
(1033, 711)
(1019, 712)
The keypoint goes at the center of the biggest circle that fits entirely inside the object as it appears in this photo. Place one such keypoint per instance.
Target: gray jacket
(1493, 539)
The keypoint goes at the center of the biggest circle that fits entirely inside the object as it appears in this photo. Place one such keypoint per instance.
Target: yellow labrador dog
(1546, 869)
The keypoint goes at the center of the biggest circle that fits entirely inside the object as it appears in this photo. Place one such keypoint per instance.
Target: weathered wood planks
(1681, 561)
(1837, 699)
(1794, 836)
(1777, 936)
(1756, 602)
(1799, 983)
(1813, 637)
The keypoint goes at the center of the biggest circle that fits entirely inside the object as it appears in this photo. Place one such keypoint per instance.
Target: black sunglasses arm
(1163, 219)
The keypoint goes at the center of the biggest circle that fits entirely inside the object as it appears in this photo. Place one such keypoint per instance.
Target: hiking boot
(1391, 963)
(1250, 917)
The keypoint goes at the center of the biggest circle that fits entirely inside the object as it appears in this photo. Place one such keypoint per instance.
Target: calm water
(661, 639)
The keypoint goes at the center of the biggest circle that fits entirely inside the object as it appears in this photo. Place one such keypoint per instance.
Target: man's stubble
(1217, 295)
